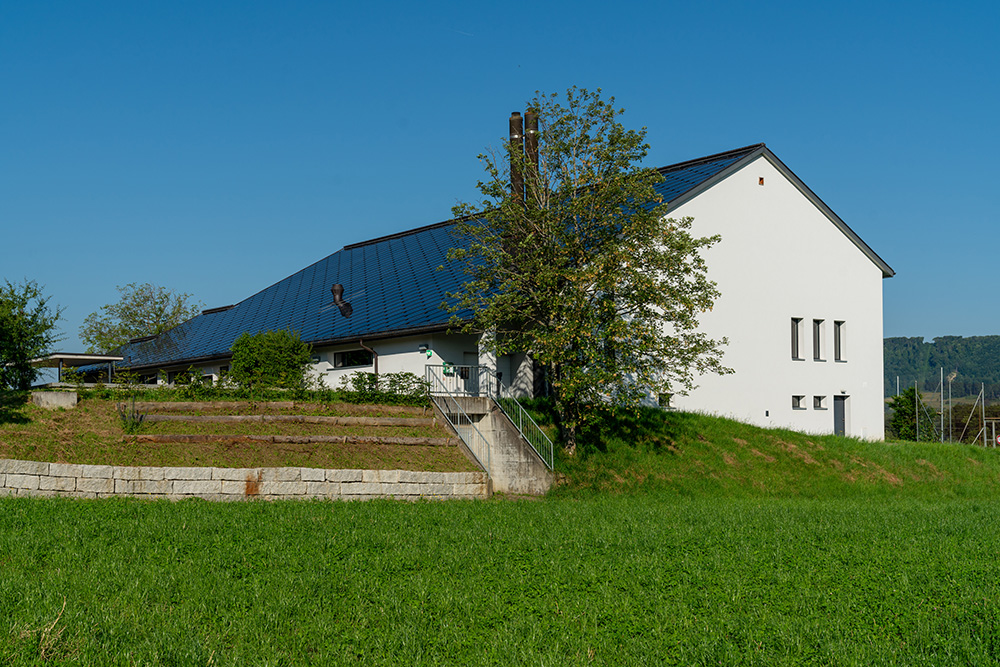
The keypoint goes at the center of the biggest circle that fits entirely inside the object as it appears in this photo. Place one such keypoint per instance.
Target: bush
(903, 424)
(395, 388)
(269, 359)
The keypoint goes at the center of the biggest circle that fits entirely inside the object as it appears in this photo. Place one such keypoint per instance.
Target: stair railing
(454, 380)
(460, 421)
(523, 422)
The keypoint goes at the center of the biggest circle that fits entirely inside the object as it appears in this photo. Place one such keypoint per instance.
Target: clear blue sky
(217, 147)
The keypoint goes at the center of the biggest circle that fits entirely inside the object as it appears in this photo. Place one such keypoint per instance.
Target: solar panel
(392, 283)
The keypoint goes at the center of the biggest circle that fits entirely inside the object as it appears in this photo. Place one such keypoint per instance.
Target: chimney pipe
(531, 148)
(338, 299)
(516, 153)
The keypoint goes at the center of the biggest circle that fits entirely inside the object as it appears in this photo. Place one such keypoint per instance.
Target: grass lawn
(671, 539)
(645, 579)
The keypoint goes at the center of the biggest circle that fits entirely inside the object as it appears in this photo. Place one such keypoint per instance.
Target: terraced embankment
(230, 450)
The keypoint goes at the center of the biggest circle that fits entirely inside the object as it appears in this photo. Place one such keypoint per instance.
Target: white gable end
(782, 257)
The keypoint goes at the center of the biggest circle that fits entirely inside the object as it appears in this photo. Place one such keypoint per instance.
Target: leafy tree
(906, 408)
(143, 310)
(269, 359)
(582, 269)
(27, 331)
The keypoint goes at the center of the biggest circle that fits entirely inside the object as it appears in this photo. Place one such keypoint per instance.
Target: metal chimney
(531, 148)
(516, 155)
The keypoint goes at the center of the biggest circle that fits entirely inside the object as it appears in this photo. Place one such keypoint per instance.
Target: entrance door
(840, 415)
(470, 372)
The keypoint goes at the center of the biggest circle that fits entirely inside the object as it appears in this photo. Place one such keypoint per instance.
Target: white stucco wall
(397, 355)
(780, 257)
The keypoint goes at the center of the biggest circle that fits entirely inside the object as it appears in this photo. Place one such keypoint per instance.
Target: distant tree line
(975, 360)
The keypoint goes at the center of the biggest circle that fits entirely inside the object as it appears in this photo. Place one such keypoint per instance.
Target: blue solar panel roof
(394, 284)
(683, 177)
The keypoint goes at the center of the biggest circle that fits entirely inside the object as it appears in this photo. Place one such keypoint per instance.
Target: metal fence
(462, 380)
(482, 381)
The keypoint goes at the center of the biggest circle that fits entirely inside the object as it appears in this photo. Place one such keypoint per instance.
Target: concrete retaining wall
(31, 478)
(53, 400)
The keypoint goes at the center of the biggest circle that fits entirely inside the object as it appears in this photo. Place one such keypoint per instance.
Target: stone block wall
(32, 478)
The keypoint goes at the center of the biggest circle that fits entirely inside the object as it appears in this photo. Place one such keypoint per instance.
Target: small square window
(798, 402)
(819, 402)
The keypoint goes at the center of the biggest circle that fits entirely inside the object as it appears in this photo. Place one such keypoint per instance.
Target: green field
(613, 580)
(671, 539)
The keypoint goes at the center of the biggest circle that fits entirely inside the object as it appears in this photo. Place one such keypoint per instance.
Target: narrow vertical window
(797, 402)
(818, 340)
(796, 326)
(838, 340)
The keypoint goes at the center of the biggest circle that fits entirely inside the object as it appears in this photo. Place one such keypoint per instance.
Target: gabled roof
(703, 173)
(684, 177)
(394, 283)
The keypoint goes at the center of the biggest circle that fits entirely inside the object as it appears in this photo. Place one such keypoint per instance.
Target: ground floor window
(352, 358)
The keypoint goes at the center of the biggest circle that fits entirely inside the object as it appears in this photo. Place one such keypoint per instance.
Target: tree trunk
(567, 414)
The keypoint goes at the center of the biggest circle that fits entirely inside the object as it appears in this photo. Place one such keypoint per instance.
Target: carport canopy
(63, 360)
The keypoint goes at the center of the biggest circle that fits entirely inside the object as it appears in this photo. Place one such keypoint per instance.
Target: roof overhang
(72, 360)
(341, 340)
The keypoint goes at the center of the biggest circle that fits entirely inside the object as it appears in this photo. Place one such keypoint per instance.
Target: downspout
(361, 342)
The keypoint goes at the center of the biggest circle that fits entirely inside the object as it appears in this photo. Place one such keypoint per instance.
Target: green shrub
(402, 388)
(269, 359)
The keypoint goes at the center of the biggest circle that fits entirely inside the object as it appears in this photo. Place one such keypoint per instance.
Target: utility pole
(951, 418)
(916, 409)
(942, 404)
(984, 414)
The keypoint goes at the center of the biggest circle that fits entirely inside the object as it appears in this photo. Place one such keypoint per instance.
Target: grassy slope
(695, 455)
(91, 433)
(652, 451)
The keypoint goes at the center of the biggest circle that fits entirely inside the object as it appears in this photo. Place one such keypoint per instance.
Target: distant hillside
(976, 359)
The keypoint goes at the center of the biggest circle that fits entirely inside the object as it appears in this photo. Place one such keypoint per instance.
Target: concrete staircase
(512, 464)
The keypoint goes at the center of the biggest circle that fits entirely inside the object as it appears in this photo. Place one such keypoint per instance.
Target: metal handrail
(523, 422)
(483, 381)
(474, 440)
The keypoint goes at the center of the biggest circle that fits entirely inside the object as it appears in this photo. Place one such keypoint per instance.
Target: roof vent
(220, 309)
(338, 300)
(143, 339)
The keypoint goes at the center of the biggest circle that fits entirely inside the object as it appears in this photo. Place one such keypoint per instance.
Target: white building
(801, 304)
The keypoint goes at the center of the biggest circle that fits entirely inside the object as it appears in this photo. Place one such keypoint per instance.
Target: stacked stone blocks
(32, 478)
